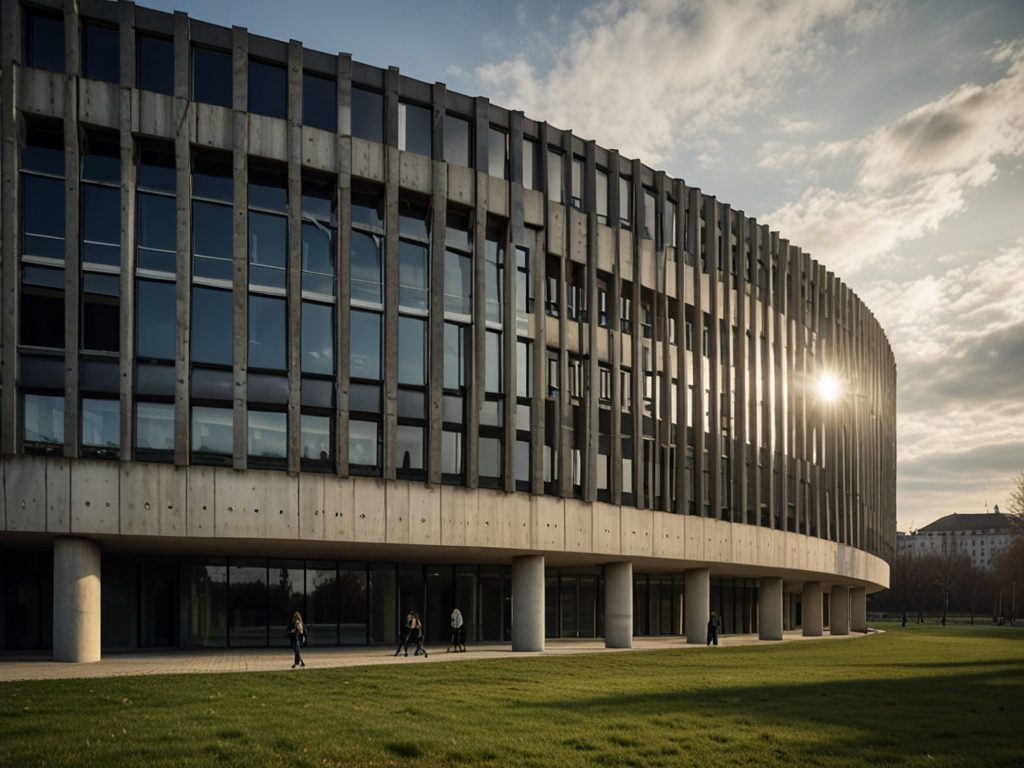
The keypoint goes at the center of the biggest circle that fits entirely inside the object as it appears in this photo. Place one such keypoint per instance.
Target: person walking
(418, 635)
(713, 629)
(406, 632)
(458, 638)
(297, 637)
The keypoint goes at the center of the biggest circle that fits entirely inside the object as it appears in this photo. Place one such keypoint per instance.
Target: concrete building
(282, 330)
(979, 536)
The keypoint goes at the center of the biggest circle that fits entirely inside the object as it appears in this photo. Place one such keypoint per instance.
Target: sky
(884, 137)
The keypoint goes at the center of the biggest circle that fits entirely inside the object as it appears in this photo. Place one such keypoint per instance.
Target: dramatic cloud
(649, 77)
(911, 175)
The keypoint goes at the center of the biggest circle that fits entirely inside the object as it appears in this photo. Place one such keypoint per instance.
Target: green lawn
(928, 695)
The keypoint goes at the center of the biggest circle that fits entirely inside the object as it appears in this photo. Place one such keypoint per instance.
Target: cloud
(911, 175)
(649, 77)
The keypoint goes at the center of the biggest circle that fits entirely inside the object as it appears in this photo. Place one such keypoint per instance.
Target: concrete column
(76, 599)
(618, 605)
(812, 609)
(839, 610)
(697, 587)
(528, 603)
(859, 609)
(769, 608)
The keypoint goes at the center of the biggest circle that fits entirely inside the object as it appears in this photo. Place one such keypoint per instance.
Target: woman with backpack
(297, 636)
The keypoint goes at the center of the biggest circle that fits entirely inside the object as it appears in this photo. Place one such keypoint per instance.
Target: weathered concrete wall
(80, 496)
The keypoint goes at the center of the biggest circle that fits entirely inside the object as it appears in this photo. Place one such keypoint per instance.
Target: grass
(925, 695)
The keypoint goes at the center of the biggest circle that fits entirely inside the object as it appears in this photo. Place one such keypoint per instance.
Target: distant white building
(979, 536)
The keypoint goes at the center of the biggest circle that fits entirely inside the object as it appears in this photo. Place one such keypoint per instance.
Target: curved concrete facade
(562, 352)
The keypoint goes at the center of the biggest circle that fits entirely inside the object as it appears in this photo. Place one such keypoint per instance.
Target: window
(458, 281)
(556, 181)
(524, 287)
(367, 115)
(414, 131)
(457, 141)
(497, 153)
(625, 202)
(212, 217)
(317, 244)
(101, 200)
(363, 445)
(524, 369)
(154, 319)
(451, 454)
(605, 383)
(670, 224)
(267, 332)
(268, 89)
(154, 430)
(268, 438)
(315, 441)
(456, 355)
(155, 222)
(317, 338)
(101, 427)
(43, 423)
(42, 191)
(494, 377)
(413, 287)
(320, 102)
(101, 52)
(155, 64)
(211, 311)
(602, 304)
(211, 76)
(409, 439)
(650, 215)
(212, 434)
(602, 196)
(412, 337)
(531, 157)
(365, 344)
(268, 228)
(577, 182)
(553, 282)
(42, 307)
(43, 38)
(100, 312)
(366, 268)
(494, 267)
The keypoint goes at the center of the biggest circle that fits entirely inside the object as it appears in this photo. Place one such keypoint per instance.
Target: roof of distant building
(969, 522)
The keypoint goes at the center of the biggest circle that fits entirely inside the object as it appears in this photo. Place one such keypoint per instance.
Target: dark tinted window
(211, 76)
(155, 62)
(154, 321)
(42, 313)
(101, 313)
(497, 152)
(268, 235)
(42, 216)
(101, 225)
(268, 89)
(43, 39)
(156, 168)
(457, 141)
(320, 102)
(212, 240)
(44, 148)
(211, 312)
(317, 338)
(101, 427)
(101, 52)
(412, 368)
(155, 217)
(101, 158)
(367, 115)
(212, 177)
(266, 332)
(414, 128)
(268, 188)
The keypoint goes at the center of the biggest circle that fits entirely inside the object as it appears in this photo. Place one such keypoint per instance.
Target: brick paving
(198, 661)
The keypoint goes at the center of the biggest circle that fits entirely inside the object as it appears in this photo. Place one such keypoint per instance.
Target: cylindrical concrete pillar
(858, 609)
(76, 599)
(839, 610)
(697, 585)
(618, 605)
(811, 609)
(528, 603)
(769, 608)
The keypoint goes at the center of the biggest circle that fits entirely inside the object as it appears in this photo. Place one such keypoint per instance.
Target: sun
(828, 387)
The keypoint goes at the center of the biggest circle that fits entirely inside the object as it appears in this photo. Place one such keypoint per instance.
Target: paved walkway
(269, 659)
